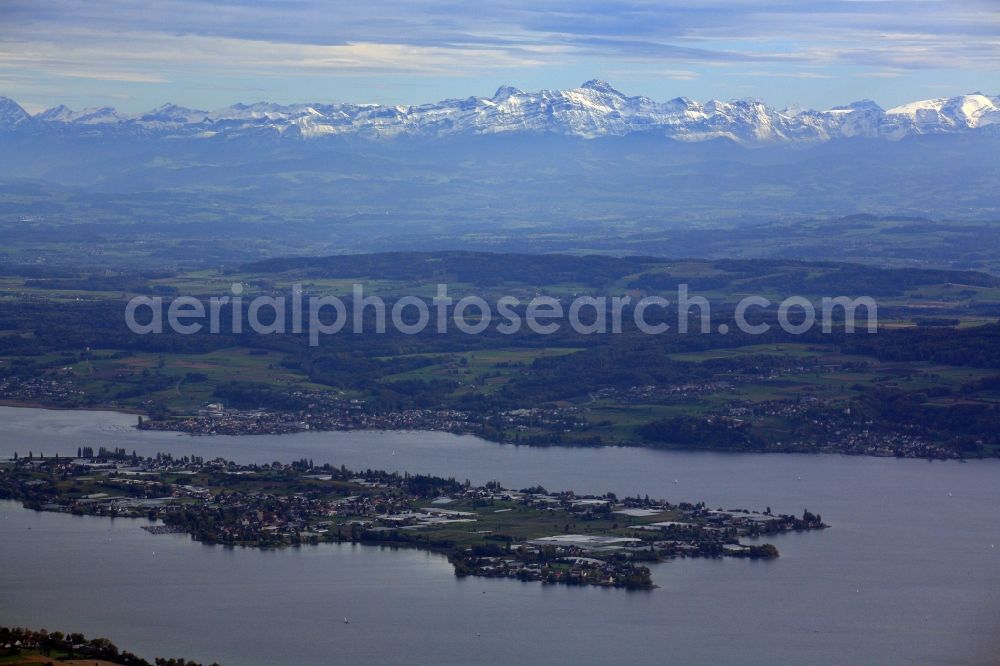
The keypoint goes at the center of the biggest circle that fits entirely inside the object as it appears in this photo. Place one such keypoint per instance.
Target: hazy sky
(137, 55)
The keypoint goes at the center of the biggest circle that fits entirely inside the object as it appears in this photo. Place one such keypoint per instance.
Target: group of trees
(978, 346)
(17, 641)
(691, 432)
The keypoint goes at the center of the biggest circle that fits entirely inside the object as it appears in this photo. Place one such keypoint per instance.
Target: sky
(814, 53)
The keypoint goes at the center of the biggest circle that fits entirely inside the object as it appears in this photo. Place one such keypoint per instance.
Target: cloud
(676, 74)
(892, 74)
(907, 33)
(782, 74)
(152, 56)
(173, 40)
(655, 72)
(130, 77)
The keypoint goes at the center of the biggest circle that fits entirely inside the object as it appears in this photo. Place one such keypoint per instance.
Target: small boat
(346, 621)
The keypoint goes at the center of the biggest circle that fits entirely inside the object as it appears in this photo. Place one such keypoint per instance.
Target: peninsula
(530, 534)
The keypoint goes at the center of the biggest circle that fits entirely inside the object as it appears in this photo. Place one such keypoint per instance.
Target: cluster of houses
(44, 389)
(838, 430)
(651, 393)
(330, 412)
(486, 530)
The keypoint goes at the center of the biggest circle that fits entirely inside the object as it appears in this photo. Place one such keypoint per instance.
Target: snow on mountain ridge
(594, 109)
(964, 111)
(11, 114)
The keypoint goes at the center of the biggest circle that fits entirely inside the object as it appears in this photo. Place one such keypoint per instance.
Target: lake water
(909, 573)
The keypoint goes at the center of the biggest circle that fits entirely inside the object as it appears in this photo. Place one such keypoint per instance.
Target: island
(530, 534)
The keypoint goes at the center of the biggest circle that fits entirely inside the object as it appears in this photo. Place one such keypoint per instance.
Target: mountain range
(595, 109)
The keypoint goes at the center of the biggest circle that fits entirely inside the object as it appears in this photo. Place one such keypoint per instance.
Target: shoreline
(59, 408)
(489, 531)
(470, 432)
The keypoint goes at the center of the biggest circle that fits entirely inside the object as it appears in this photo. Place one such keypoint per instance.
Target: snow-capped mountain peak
(944, 114)
(601, 86)
(505, 91)
(860, 105)
(61, 114)
(90, 116)
(594, 109)
(11, 114)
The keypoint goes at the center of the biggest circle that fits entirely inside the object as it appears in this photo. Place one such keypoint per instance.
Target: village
(837, 430)
(529, 534)
(327, 411)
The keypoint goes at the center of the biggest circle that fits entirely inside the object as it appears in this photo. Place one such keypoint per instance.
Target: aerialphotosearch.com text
(318, 316)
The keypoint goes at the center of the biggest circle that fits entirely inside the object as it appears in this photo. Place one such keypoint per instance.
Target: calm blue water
(910, 572)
